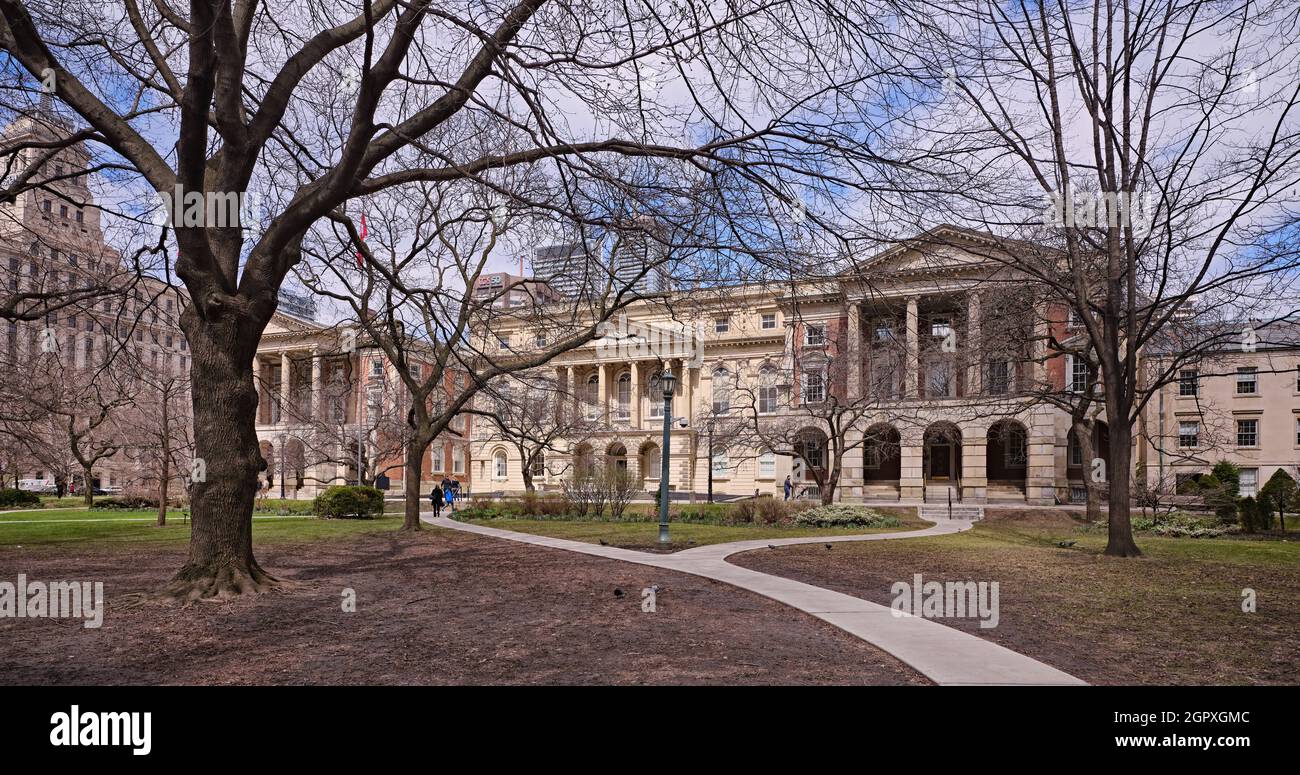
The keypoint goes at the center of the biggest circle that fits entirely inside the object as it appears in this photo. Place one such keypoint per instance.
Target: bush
(10, 498)
(349, 502)
(125, 503)
(1249, 514)
(844, 515)
(1180, 524)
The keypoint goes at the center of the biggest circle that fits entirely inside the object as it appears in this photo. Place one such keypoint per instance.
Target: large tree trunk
(527, 472)
(221, 562)
(1120, 535)
(87, 490)
(414, 466)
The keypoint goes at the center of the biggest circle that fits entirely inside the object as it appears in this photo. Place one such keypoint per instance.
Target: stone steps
(935, 512)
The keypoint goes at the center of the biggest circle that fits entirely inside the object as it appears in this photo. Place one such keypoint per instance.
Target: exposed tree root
(219, 583)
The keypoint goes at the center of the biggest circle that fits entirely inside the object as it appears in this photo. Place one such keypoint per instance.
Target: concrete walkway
(940, 653)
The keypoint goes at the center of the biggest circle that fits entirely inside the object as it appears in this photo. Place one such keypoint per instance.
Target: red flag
(361, 258)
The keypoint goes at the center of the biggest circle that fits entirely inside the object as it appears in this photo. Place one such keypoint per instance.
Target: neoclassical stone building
(931, 356)
(325, 393)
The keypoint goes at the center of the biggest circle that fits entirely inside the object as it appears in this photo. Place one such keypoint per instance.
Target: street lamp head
(668, 381)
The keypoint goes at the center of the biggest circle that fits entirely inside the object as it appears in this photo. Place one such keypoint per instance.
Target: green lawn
(645, 535)
(61, 526)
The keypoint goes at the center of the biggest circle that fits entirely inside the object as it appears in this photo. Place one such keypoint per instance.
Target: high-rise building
(621, 259)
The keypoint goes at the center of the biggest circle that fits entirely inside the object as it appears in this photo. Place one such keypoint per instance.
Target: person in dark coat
(435, 498)
(789, 487)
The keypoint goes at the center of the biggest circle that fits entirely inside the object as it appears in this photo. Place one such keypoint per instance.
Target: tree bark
(88, 490)
(413, 468)
(221, 563)
(1119, 541)
(528, 473)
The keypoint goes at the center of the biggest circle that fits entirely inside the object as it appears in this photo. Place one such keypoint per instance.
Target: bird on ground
(618, 592)
(828, 547)
(603, 542)
(1066, 544)
(770, 546)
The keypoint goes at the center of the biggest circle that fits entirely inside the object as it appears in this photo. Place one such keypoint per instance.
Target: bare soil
(1171, 617)
(437, 608)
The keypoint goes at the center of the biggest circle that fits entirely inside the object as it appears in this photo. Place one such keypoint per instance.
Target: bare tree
(1145, 153)
(527, 411)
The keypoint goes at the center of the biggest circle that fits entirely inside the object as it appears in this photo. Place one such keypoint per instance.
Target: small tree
(1282, 493)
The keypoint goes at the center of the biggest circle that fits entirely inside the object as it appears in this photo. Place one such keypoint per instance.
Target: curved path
(940, 653)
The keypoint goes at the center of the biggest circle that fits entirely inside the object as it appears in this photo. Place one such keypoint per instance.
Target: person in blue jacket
(789, 487)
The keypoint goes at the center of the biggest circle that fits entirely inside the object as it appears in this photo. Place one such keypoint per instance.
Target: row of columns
(316, 399)
(574, 379)
(912, 366)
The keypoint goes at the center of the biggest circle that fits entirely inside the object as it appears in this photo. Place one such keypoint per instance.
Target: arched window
(593, 397)
(655, 394)
(653, 462)
(500, 465)
(768, 397)
(721, 391)
(624, 396)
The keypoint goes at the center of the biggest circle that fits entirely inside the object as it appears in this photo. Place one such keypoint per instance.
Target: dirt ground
(443, 608)
(1171, 617)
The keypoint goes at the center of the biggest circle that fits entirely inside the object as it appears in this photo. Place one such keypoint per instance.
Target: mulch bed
(440, 608)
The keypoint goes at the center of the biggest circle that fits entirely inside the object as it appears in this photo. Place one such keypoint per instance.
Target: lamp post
(668, 381)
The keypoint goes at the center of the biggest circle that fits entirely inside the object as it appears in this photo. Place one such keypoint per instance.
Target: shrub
(1180, 524)
(844, 515)
(125, 503)
(349, 502)
(18, 498)
(744, 512)
(1283, 495)
(1228, 475)
(1248, 510)
(772, 511)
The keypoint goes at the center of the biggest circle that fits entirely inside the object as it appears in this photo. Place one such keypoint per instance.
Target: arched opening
(500, 465)
(295, 465)
(1007, 455)
(616, 458)
(881, 458)
(267, 478)
(942, 453)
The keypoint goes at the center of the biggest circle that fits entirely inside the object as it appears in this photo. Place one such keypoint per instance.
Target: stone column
(636, 394)
(973, 350)
(911, 478)
(853, 351)
(974, 465)
(257, 388)
(603, 392)
(317, 398)
(912, 364)
(286, 378)
(688, 393)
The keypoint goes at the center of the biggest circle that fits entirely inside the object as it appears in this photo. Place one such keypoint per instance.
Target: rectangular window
(721, 325)
(814, 388)
(767, 465)
(1248, 433)
(940, 327)
(1076, 451)
(438, 454)
(814, 335)
(884, 332)
(720, 464)
(767, 399)
(1189, 434)
(1246, 381)
(999, 378)
(1078, 375)
(457, 460)
(1249, 482)
(769, 320)
(1297, 431)
(1189, 382)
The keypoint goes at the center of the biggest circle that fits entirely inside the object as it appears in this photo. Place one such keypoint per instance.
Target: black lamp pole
(668, 381)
